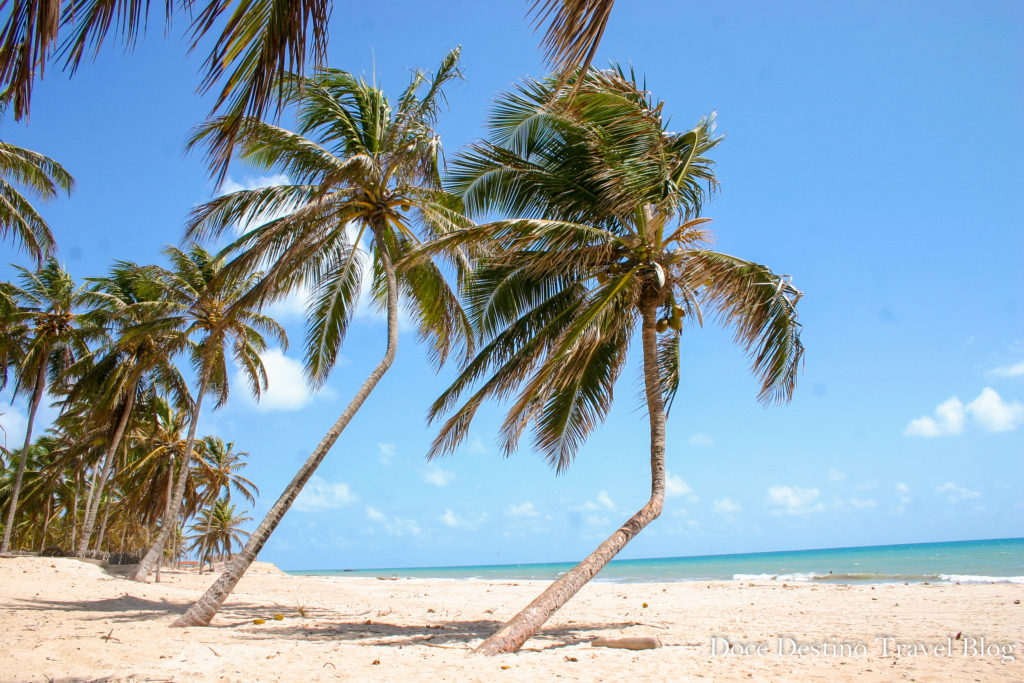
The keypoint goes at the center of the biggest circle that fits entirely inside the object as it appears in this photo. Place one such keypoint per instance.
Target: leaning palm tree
(204, 307)
(259, 42)
(604, 237)
(42, 177)
(364, 173)
(44, 333)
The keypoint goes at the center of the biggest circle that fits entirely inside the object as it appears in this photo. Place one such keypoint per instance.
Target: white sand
(66, 619)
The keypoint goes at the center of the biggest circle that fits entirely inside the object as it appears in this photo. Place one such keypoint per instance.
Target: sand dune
(65, 619)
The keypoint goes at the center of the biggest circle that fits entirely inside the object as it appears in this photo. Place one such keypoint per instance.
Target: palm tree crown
(363, 172)
(42, 177)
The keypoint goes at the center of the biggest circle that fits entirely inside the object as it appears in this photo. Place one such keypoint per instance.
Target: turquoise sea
(992, 561)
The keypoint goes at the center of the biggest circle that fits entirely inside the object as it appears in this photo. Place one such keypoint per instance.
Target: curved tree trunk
(92, 508)
(156, 551)
(523, 626)
(206, 607)
(12, 508)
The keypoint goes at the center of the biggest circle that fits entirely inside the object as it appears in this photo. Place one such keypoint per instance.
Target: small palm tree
(604, 239)
(218, 471)
(43, 334)
(42, 177)
(203, 307)
(363, 170)
(217, 531)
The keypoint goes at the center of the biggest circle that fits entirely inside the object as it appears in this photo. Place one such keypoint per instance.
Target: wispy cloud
(386, 453)
(701, 440)
(394, 526)
(320, 494)
(450, 519)
(727, 507)
(903, 491)
(677, 486)
(437, 476)
(835, 475)
(14, 423)
(521, 510)
(1013, 370)
(955, 493)
(794, 500)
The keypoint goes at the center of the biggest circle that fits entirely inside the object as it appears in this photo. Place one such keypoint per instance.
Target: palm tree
(44, 178)
(204, 306)
(259, 43)
(604, 236)
(357, 162)
(217, 530)
(218, 472)
(138, 357)
(43, 334)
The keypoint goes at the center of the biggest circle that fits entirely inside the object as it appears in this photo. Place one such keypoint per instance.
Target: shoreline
(63, 618)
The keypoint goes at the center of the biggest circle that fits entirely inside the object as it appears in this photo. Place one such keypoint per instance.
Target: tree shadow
(451, 634)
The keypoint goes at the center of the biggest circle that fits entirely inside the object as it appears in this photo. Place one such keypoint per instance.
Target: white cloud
(949, 419)
(449, 518)
(993, 414)
(437, 476)
(956, 493)
(475, 445)
(863, 503)
(320, 494)
(394, 526)
(1015, 370)
(286, 385)
(701, 440)
(386, 453)
(727, 506)
(988, 411)
(604, 501)
(522, 510)
(835, 475)
(252, 183)
(677, 486)
(794, 500)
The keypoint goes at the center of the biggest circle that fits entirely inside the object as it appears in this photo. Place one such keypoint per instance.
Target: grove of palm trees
(565, 252)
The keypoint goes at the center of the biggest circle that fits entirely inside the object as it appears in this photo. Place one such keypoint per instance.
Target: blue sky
(873, 151)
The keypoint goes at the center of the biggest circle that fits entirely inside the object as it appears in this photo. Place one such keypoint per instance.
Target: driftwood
(636, 643)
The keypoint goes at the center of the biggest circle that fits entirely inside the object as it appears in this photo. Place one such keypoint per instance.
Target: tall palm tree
(42, 177)
(139, 356)
(603, 237)
(359, 163)
(259, 42)
(204, 299)
(44, 334)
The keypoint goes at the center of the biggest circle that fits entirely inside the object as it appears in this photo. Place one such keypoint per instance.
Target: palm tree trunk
(46, 522)
(74, 508)
(37, 397)
(203, 611)
(103, 527)
(524, 625)
(156, 551)
(108, 465)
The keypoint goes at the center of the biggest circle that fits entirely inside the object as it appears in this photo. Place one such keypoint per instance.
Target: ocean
(991, 561)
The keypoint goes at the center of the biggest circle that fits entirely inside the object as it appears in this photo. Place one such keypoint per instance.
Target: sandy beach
(64, 619)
